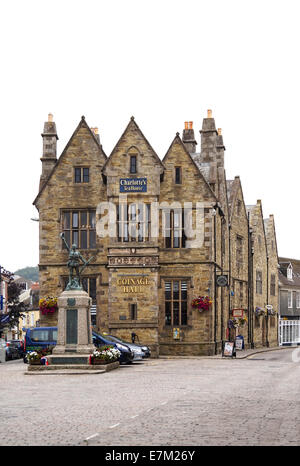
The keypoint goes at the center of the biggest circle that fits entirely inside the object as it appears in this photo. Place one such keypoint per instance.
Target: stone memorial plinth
(74, 339)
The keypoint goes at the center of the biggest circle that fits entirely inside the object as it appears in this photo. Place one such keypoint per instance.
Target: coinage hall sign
(133, 185)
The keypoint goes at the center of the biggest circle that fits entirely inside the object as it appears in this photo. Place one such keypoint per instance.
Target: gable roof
(178, 139)
(232, 187)
(131, 123)
(268, 222)
(81, 124)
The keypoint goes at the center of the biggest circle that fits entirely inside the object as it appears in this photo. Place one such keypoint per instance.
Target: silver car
(138, 354)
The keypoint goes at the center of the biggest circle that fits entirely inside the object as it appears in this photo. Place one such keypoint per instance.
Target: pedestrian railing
(289, 332)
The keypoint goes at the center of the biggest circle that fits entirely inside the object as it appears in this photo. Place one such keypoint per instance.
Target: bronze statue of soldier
(73, 265)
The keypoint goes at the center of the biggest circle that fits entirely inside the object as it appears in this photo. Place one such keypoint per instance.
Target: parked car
(19, 344)
(43, 337)
(139, 353)
(11, 350)
(127, 354)
(39, 338)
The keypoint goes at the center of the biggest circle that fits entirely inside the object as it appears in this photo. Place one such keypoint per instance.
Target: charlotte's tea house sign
(134, 185)
(133, 284)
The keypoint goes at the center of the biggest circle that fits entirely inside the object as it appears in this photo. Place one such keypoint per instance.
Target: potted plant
(105, 355)
(34, 357)
(38, 357)
(202, 303)
(48, 305)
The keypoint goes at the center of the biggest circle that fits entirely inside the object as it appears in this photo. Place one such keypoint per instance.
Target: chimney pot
(219, 131)
(186, 125)
(190, 125)
(50, 117)
(96, 130)
(209, 113)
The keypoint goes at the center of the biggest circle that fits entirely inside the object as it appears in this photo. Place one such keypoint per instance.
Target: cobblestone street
(199, 401)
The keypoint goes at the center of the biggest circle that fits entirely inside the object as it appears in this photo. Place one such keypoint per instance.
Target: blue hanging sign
(133, 185)
(1, 302)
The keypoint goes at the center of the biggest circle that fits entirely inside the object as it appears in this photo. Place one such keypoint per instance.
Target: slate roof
(282, 275)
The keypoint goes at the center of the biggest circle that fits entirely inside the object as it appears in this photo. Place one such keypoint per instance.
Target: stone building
(238, 256)
(263, 262)
(158, 231)
(289, 288)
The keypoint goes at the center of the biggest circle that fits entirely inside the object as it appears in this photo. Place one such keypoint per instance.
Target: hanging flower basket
(237, 322)
(48, 305)
(260, 311)
(202, 303)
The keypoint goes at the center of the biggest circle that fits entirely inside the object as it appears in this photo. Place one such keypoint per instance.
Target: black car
(19, 344)
(12, 350)
(126, 354)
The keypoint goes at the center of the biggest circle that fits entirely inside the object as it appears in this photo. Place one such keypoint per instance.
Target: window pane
(86, 175)
(168, 313)
(148, 213)
(125, 232)
(77, 175)
(92, 239)
(184, 313)
(40, 335)
(168, 291)
(83, 239)
(93, 288)
(75, 238)
(66, 220)
(75, 221)
(176, 241)
(177, 175)
(183, 291)
(133, 164)
(176, 290)
(83, 219)
(84, 282)
(176, 313)
(167, 219)
(92, 216)
(67, 238)
(176, 219)
(132, 212)
(168, 240)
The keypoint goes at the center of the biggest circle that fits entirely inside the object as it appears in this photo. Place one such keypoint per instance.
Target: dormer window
(133, 164)
(290, 272)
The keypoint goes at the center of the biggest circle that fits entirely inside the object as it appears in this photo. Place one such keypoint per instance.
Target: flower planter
(98, 362)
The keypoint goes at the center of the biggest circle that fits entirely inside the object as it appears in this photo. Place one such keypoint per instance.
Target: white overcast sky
(165, 62)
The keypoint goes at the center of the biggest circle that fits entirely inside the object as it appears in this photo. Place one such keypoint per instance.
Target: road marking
(92, 436)
(115, 425)
(164, 403)
(132, 417)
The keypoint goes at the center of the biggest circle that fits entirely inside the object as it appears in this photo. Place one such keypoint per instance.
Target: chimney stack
(188, 137)
(95, 132)
(48, 158)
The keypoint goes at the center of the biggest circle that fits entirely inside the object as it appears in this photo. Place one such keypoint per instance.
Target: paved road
(253, 401)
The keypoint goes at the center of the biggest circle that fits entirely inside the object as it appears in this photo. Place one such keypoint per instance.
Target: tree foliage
(16, 309)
